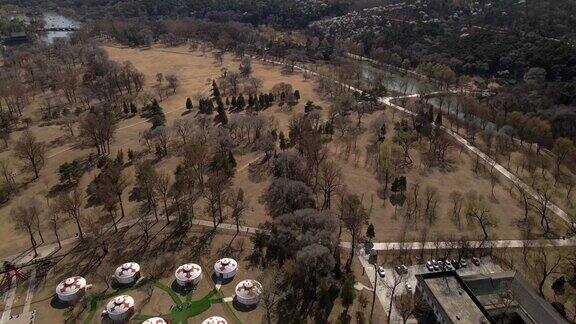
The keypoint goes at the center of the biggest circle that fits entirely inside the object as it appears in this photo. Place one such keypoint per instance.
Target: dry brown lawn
(195, 72)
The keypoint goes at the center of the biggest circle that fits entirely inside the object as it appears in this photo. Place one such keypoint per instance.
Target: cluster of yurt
(215, 320)
(121, 308)
(70, 290)
(127, 273)
(188, 275)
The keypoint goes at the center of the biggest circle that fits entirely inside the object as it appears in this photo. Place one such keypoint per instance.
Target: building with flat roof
(503, 297)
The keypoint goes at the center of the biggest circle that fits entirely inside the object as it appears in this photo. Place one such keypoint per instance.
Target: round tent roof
(119, 305)
(127, 270)
(225, 265)
(188, 272)
(215, 320)
(155, 320)
(70, 286)
(248, 289)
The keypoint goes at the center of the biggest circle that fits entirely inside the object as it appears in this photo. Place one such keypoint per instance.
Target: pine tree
(126, 109)
(250, 101)
(209, 107)
(234, 103)
(158, 117)
(439, 119)
(370, 233)
(297, 95)
(189, 104)
(120, 157)
(223, 118)
(133, 108)
(283, 145)
(215, 90)
(240, 101)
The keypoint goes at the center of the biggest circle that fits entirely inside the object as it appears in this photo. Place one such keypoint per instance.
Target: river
(54, 20)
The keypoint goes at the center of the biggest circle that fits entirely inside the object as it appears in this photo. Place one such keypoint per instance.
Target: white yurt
(71, 289)
(120, 308)
(215, 320)
(188, 274)
(248, 292)
(225, 268)
(154, 320)
(127, 273)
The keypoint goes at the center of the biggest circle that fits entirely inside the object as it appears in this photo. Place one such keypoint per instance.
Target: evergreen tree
(348, 293)
(157, 115)
(227, 101)
(431, 114)
(297, 94)
(133, 108)
(240, 101)
(439, 119)
(215, 90)
(209, 107)
(283, 145)
(120, 157)
(328, 128)
(370, 233)
(250, 101)
(234, 103)
(189, 104)
(222, 117)
(126, 109)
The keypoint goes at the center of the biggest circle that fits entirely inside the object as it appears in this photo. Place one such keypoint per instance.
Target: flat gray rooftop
(455, 300)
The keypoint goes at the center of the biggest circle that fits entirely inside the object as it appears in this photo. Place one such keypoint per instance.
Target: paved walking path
(30, 292)
(386, 246)
(9, 301)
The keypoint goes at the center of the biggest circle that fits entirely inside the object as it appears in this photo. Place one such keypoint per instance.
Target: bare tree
(216, 193)
(392, 286)
(70, 204)
(329, 180)
(239, 205)
(477, 211)
(145, 181)
(541, 205)
(173, 82)
(56, 221)
(406, 304)
(545, 262)
(354, 217)
(457, 201)
(162, 185)
(271, 292)
(25, 218)
(31, 152)
(8, 175)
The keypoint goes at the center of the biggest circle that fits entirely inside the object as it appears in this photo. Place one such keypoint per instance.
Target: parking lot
(384, 285)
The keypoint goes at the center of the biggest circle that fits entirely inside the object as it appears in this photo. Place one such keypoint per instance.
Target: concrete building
(503, 297)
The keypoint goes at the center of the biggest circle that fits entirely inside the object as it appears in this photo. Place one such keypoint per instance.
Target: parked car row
(449, 264)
